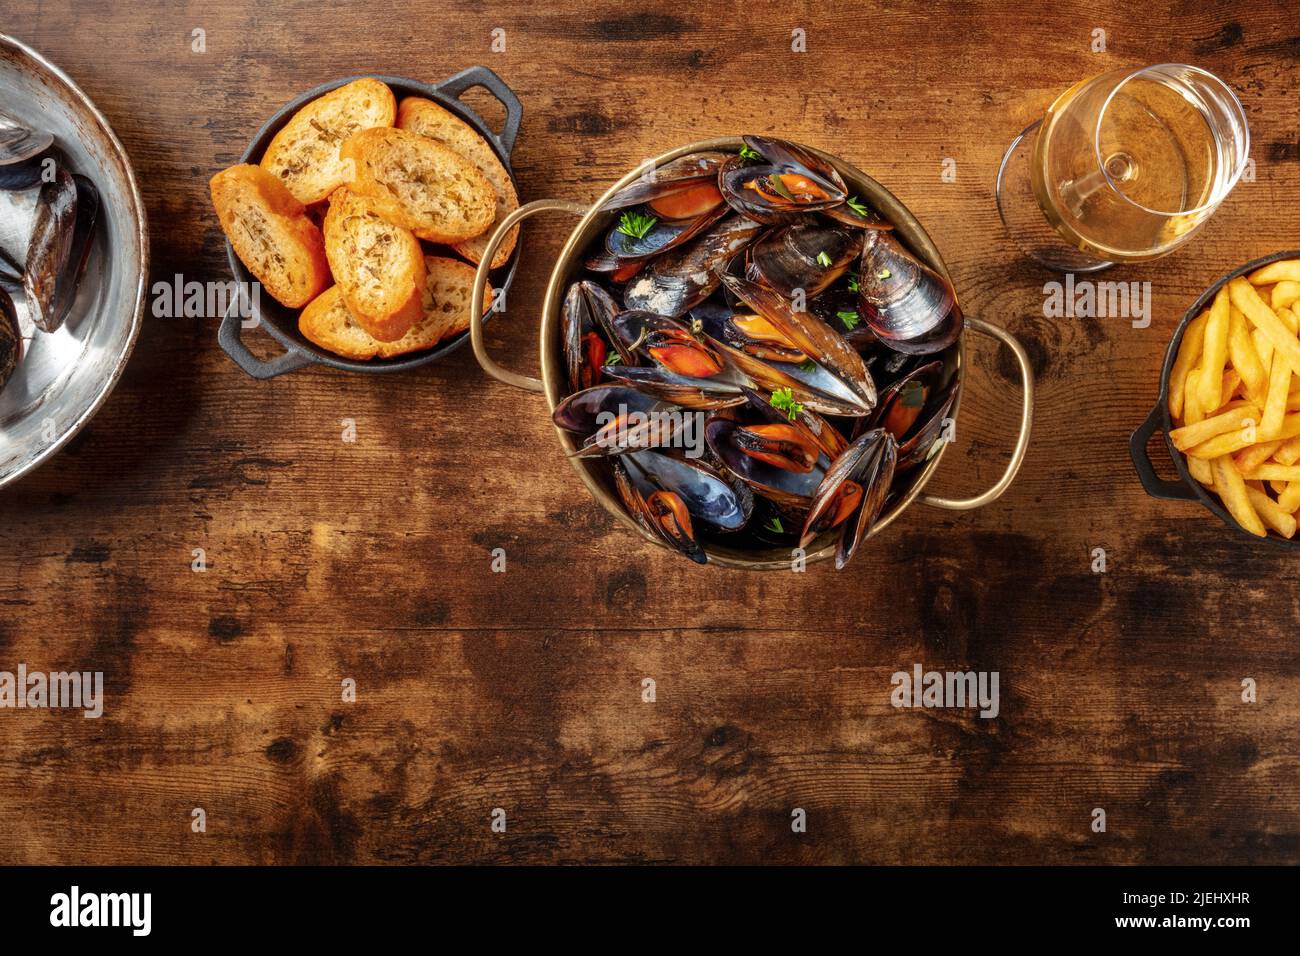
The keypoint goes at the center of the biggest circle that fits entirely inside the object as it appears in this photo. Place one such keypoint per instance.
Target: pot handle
(1026, 422)
(1155, 486)
(482, 76)
(228, 337)
(476, 314)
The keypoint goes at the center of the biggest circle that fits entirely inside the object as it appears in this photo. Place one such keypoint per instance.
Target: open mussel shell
(826, 435)
(11, 339)
(720, 391)
(83, 235)
(28, 173)
(662, 237)
(50, 249)
(675, 283)
(710, 496)
(839, 308)
(662, 514)
(806, 255)
(18, 143)
(614, 418)
(683, 173)
(907, 304)
(847, 215)
(668, 343)
(852, 494)
(790, 180)
(734, 443)
(914, 409)
(585, 322)
(838, 371)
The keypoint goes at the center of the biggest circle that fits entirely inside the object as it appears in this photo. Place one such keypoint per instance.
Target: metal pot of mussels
(750, 347)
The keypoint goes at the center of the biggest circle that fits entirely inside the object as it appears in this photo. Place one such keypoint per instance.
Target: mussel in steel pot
(758, 354)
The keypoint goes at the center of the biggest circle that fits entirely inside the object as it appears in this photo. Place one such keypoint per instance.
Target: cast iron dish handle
(480, 283)
(1026, 423)
(1156, 486)
(228, 337)
(482, 76)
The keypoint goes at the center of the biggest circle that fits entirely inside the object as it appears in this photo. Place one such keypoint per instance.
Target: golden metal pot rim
(906, 226)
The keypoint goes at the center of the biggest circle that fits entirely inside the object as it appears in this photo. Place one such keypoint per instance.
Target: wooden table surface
(522, 690)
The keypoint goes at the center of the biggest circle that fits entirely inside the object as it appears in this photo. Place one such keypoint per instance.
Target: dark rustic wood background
(523, 690)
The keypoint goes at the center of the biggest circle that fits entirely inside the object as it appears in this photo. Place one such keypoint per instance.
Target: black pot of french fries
(1229, 405)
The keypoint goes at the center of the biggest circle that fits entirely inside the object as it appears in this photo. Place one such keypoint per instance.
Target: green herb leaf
(850, 319)
(636, 225)
(783, 401)
(749, 154)
(853, 282)
(613, 358)
(883, 274)
(774, 524)
(808, 365)
(858, 206)
(824, 259)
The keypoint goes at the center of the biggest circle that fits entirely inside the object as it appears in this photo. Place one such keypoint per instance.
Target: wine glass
(1125, 166)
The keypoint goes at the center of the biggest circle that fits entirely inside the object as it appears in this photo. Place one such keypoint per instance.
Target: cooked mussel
(639, 233)
(786, 179)
(913, 410)
(585, 327)
(749, 452)
(710, 496)
(804, 257)
(838, 379)
(675, 283)
(671, 179)
(49, 250)
(662, 513)
(11, 339)
(667, 343)
(852, 493)
(906, 303)
(614, 418)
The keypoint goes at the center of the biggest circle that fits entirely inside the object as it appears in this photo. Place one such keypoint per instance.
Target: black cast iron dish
(1188, 488)
(281, 322)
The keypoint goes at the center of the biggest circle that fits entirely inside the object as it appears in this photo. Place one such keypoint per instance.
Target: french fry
(1285, 343)
(1192, 410)
(1279, 385)
(1241, 416)
(1214, 351)
(1273, 472)
(1254, 456)
(1272, 514)
(1245, 359)
(1289, 500)
(1189, 353)
(1284, 294)
(1230, 443)
(1263, 348)
(1283, 271)
(1289, 453)
(1201, 471)
(1231, 382)
(1232, 491)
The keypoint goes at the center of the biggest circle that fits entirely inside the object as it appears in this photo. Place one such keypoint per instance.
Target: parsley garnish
(853, 282)
(635, 224)
(824, 259)
(783, 401)
(613, 358)
(774, 524)
(850, 319)
(856, 204)
(750, 154)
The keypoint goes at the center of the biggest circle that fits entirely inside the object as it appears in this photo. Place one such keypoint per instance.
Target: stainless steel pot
(593, 473)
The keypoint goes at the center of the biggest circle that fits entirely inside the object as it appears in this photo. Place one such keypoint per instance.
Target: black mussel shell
(682, 173)
(907, 304)
(11, 339)
(790, 489)
(614, 418)
(710, 496)
(807, 255)
(24, 175)
(675, 283)
(838, 307)
(50, 249)
(19, 144)
(846, 215)
(664, 235)
(82, 238)
(720, 391)
(913, 410)
(846, 376)
(790, 180)
(662, 514)
(668, 343)
(869, 462)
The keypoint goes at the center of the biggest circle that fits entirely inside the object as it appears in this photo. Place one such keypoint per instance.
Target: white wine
(1126, 166)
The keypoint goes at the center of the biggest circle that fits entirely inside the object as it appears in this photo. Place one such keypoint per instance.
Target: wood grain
(370, 560)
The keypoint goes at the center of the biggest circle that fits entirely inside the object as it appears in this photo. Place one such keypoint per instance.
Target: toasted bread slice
(421, 184)
(271, 234)
(378, 266)
(427, 118)
(448, 289)
(305, 153)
